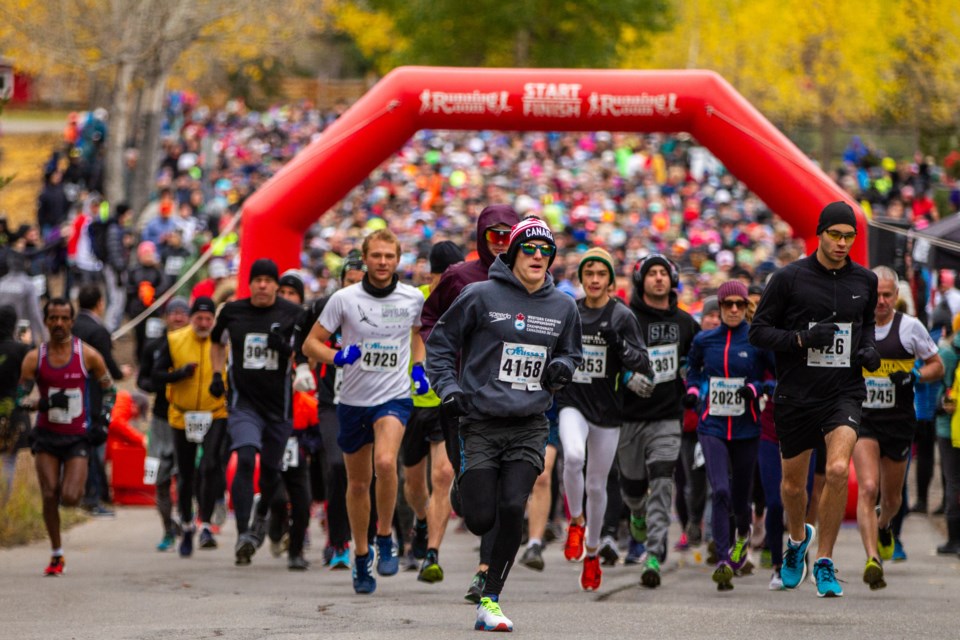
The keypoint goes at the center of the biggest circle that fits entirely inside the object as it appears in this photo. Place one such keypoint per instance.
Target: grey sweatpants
(646, 456)
(160, 445)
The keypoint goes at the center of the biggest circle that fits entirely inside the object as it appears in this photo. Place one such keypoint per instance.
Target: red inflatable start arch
(412, 98)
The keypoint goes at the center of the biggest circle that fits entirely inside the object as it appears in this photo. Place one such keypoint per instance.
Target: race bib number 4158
(521, 365)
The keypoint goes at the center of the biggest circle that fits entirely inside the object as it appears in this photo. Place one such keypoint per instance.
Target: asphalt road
(116, 587)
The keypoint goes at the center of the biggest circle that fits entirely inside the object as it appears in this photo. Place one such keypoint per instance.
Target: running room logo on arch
(475, 103)
(496, 316)
(520, 323)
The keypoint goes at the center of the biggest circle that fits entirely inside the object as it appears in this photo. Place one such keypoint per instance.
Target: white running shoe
(490, 617)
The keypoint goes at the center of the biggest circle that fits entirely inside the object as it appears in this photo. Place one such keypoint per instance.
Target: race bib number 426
(837, 354)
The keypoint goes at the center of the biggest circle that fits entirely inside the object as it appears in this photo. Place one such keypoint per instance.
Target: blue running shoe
(186, 543)
(826, 575)
(340, 559)
(167, 543)
(388, 563)
(635, 552)
(899, 555)
(363, 580)
(794, 568)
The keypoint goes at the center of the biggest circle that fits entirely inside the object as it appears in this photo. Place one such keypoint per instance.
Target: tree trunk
(828, 128)
(149, 160)
(117, 133)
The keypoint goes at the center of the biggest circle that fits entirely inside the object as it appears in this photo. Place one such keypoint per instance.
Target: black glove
(455, 405)
(186, 371)
(690, 400)
(904, 378)
(58, 400)
(98, 431)
(276, 342)
(747, 393)
(869, 359)
(819, 335)
(557, 376)
(217, 388)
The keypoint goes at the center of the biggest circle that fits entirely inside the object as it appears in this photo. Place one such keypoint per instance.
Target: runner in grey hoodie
(518, 341)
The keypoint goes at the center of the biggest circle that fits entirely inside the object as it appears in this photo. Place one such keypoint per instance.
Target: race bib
(380, 355)
(256, 354)
(196, 424)
(154, 328)
(173, 265)
(151, 468)
(74, 409)
(337, 383)
(521, 365)
(881, 394)
(594, 364)
(291, 454)
(663, 361)
(723, 399)
(836, 355)
(39, 284)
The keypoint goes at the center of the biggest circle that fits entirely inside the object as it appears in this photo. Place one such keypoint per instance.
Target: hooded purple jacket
(456, 277)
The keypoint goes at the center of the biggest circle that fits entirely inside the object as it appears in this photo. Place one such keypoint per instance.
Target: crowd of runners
(721, 377)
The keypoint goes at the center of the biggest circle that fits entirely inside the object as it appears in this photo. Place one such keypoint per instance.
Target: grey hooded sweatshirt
(505, 337)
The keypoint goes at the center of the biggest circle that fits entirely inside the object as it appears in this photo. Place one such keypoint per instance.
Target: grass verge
(21, 517)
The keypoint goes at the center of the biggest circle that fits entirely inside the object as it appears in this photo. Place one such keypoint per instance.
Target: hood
(637, 304)
(500, 271)
(490, 217)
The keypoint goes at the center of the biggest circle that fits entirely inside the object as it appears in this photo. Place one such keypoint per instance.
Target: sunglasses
(730, 304)
(497, 236)
(836, 235)
(546, 250)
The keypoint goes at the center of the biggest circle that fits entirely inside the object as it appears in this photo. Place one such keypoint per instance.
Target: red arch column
(412, 98)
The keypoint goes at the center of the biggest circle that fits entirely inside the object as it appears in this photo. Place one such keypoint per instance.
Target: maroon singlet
(72, 378)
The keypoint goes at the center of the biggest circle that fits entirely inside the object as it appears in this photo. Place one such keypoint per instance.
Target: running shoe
(826, 575)
(635, 552)
(694, 535)
(638, 528)
(766, 559)
(490, 617)
(899, 554)
(682, 543)
(723, 576)
(740, 556)
(245, 549)
(573, 549)
(298, 563)
(794, 568)
(532, 557)
(340, 559)
(280, 547)
(219, 516)
(388, 564)
(419, 543)
(186, 543)
(409, 562)
(363, 580)
(873, 574)
(258, 531)
(430, 570)
(167, 543)
(651, 572)
(476, 587)
(590, 574)
(55, 568)
(608, 551)
(776, 583)
(206, 540)
(885, 543)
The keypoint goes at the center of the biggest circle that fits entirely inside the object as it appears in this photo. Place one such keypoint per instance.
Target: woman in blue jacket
(725, 381)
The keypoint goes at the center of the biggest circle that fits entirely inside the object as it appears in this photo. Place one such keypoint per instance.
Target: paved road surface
(117, 587)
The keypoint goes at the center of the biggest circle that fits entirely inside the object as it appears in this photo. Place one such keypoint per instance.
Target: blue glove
(421, 384)
(346, 356)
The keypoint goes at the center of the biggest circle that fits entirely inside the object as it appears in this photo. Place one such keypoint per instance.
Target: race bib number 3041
(256, 354)
(837, 354)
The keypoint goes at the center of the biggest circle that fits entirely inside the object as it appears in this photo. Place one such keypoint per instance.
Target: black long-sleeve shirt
(801, 294)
